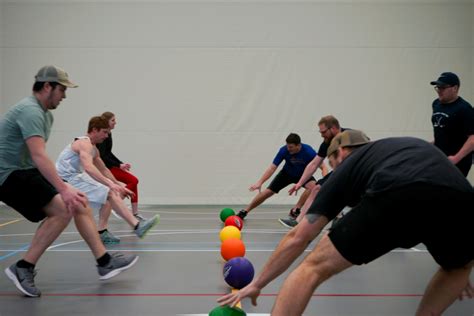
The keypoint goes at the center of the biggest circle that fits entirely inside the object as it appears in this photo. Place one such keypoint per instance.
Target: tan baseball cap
(52, 73)
(348, 138)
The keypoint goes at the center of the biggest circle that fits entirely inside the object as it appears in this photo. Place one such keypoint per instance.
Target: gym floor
(180, 271)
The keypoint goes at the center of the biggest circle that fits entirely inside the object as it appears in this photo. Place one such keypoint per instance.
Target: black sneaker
(23, 279)
(294, 212)
(288, 222)
(118, 263)
(242, 214)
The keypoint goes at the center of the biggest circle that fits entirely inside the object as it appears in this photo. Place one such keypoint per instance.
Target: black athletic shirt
(385, 165)
(452, 125)
(105, 149)
(323, 148)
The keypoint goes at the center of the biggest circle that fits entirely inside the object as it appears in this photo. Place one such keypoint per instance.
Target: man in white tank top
(81, 166)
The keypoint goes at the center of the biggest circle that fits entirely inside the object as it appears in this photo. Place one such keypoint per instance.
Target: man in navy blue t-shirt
(296, 156)
(328, 128)
(453, 122)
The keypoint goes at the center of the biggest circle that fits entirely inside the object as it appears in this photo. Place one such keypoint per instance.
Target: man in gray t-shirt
(26, 119)
(30, 184)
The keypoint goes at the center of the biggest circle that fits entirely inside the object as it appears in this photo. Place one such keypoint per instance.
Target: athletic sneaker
(242, 214)
(146, 225)
(23, 279)
(288, 222)
(108, 238)
(118, 262)
(139, 217)
(294, 212)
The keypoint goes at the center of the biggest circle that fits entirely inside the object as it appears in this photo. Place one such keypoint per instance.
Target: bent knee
(112, 195)
(325, 260)
(322, 270)
(81, 210)
(57, 208)
(316, 188)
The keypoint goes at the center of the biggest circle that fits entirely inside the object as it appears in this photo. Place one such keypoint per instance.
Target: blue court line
(14, 252)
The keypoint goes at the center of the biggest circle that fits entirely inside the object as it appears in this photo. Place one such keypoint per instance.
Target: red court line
(204, 295)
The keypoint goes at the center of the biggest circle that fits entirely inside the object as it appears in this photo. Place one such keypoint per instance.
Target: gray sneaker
(108, 238)
(118, 263)
(288, 222)
(23, 279)
(146, 225)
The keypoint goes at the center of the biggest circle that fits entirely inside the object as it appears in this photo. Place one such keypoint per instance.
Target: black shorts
(283, 179)
(324, 179)
(438, 217)
(28, 192)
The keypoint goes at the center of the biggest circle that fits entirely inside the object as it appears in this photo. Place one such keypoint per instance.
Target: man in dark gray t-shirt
(404, 191)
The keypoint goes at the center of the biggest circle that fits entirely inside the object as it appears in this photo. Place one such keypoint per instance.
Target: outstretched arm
(84, 148)
(266, 175)
(308, 172)
(289, 248)
(100, 165)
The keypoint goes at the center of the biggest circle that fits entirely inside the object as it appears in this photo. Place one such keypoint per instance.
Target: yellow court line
(11, 222)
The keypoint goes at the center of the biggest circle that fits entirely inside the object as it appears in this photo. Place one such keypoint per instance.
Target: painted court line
(11, 222)
(184, 250)
(361, 295)
(166, 232)
(15, 251)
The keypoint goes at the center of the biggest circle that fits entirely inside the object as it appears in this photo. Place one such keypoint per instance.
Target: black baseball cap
(447, 79)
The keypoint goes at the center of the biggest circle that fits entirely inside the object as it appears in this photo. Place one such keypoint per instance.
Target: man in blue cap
(453, 122)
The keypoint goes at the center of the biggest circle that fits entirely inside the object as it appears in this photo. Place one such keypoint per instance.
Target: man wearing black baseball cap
(453, 122)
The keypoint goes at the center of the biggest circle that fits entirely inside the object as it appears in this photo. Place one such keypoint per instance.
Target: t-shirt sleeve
(323, 150)
(330, 200)
(31, 123)
(279, 156)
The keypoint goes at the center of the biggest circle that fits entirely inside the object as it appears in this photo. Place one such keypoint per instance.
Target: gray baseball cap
(52, 73)
(348, 138)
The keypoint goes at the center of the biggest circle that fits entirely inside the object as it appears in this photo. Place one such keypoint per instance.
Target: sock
(24, 264)
(104, 260)
(136, 226)
(102, 231)
(297, 211)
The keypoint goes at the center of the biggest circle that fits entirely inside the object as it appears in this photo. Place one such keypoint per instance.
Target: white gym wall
(205, 92)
